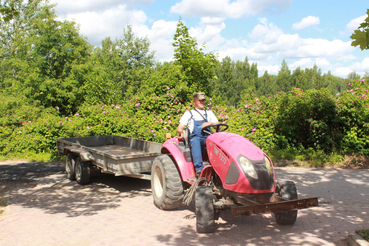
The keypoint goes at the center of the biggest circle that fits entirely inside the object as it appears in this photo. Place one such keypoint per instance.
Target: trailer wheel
(166, 183)
(205, 214)
(70, 164)
(82, 171)
(287, 190)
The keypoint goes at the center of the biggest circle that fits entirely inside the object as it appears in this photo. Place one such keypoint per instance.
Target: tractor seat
(187, 149)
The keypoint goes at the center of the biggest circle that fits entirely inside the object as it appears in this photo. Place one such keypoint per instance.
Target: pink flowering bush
(309, 121)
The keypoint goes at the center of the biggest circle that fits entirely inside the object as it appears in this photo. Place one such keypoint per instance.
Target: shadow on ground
(44, 186)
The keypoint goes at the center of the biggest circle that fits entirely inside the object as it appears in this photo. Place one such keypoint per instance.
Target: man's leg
(196, 153)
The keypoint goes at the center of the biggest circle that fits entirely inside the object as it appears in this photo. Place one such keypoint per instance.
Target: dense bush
(298, 123)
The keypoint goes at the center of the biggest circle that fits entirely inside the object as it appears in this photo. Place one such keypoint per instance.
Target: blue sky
(303, 32)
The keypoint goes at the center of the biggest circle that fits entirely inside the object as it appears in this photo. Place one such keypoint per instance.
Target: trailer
(113, 154)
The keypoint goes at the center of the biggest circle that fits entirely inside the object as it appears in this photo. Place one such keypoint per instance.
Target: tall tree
(124, 62)
(196, 65)
(267, 85)
(283, 78)
(42, 58)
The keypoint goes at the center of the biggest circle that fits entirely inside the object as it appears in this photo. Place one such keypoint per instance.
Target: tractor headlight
(268, 166)
(247, 167)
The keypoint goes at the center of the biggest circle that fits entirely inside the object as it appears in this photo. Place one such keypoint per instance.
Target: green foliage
(353, 112)
(361, 34)
(364, 234)
(196, 65)
(308, 119)
(119, 68)
(233, 80)
(42, 57)
(8, 11)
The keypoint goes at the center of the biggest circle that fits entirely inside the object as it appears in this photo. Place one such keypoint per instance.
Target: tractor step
(274, 207)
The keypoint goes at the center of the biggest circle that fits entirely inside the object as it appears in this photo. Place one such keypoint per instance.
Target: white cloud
(97, 25)
(306, 22)
(211, 20)
(302, 63)
(361, 67)
(269, 45)
(342, 71)
(353, 25)
(210, 35)
(225, 8)
(161, 38)
(76, 6)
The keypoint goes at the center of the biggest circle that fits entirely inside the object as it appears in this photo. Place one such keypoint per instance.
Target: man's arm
(180, 130)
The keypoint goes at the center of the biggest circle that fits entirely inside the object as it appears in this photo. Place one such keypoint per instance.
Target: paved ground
(47, 209)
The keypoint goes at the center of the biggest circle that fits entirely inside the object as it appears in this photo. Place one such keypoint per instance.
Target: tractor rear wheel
(205, 214)
(166, 183)
(70, 164)
(286, 190)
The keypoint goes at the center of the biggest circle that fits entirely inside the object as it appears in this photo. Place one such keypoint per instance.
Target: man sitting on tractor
(196, 120)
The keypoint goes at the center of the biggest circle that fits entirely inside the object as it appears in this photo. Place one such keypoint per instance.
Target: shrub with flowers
(312, 120)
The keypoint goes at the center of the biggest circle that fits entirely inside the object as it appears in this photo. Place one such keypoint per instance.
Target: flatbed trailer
(113, 154)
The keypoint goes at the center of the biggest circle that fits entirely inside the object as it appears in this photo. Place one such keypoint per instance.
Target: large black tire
(205, 214)
(70, 164)
(166, 183)
(83, 172)
(287, 190)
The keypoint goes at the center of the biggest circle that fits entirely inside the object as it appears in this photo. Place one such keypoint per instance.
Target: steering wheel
(208, 129)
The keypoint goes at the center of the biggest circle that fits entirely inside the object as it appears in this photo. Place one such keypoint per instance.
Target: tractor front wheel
(286, 190)
(166, 183)
(205, 214)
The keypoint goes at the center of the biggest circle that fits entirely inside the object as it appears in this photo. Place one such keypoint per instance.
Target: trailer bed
(113, 154)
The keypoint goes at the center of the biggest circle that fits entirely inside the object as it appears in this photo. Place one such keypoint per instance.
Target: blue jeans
(196, 145)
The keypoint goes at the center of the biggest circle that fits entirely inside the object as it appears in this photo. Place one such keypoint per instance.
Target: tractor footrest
(280, 206)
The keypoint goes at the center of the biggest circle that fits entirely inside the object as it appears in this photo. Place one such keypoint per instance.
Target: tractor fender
(185, 168)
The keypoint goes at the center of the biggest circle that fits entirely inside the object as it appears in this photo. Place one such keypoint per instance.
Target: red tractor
(236, 175)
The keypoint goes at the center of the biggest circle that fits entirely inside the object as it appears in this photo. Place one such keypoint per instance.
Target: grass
(364, 234)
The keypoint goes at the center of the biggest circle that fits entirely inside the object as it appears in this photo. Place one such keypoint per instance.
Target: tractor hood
(234, 145)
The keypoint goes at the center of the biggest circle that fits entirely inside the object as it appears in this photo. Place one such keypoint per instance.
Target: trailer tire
(166, 183)
(287, 190)
(70, 164)
(205, 213)
(83, 171)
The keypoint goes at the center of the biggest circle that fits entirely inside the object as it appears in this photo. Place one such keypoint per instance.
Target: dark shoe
(198, 174)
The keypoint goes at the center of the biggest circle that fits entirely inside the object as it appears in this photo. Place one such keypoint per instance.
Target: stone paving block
(108, 213)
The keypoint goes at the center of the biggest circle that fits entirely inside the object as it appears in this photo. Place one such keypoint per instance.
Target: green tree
(8, 11)
(267, 85)
(360, 36)
(283, 78)
(196, 65)
(124, 62)
(43, 59)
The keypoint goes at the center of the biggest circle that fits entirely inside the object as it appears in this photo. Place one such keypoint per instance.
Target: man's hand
(180, 137)
(180, 129)
(206, 124)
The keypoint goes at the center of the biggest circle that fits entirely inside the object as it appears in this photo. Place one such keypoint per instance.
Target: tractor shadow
(342, 210)
(45, 186)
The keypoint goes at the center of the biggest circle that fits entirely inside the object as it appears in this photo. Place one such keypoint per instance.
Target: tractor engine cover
(241, 165)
